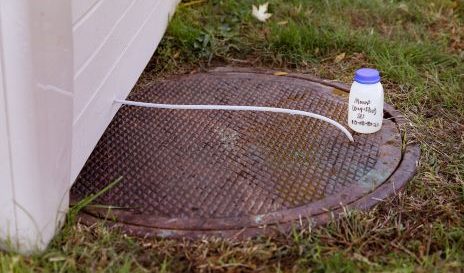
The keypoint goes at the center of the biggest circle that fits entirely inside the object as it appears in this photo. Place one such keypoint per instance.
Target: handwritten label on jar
(363, 108)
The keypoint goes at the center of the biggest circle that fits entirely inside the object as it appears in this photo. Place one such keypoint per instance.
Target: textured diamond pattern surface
(194, 163)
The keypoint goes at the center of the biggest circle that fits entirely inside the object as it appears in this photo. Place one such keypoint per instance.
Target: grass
(419, 47)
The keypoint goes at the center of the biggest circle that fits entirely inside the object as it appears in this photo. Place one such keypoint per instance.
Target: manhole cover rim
(396, 183)
(379, 174)
(272, 218)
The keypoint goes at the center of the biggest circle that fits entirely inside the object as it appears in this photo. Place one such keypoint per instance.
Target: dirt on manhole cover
(220, 173)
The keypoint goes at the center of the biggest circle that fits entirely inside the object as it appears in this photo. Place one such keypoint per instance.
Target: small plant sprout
(261, 13)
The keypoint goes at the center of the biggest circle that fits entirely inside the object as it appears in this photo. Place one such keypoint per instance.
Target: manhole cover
(221, 173)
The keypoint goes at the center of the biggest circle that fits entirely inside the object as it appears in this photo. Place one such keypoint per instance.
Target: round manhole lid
(194, 173)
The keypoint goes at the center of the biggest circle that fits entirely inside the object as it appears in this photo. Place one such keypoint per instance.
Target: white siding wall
(36, 103)
(62, 62)
(7, 214)
(113, 41)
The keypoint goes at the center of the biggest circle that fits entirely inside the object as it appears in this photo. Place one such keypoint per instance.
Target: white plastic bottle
(365, 112)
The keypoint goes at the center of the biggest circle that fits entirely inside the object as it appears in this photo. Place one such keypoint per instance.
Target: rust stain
(340, 93)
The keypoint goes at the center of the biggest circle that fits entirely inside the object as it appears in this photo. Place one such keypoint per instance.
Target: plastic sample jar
(365, 112)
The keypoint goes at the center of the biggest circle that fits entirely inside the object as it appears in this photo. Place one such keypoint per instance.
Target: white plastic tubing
(237, 108)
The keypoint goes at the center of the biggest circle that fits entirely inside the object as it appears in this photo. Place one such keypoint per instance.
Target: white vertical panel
(97, 26)
(80, 8)
(88, 79)
(113, 71)
(36, 40)
(37, 99)
(7, 227)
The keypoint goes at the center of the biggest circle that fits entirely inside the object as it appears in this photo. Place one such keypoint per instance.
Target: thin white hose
(237, 108)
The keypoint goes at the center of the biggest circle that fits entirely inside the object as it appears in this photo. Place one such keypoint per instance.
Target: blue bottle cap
(367, 76)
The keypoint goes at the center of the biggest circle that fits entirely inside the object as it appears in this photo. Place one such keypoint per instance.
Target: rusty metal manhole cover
(195, 173)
